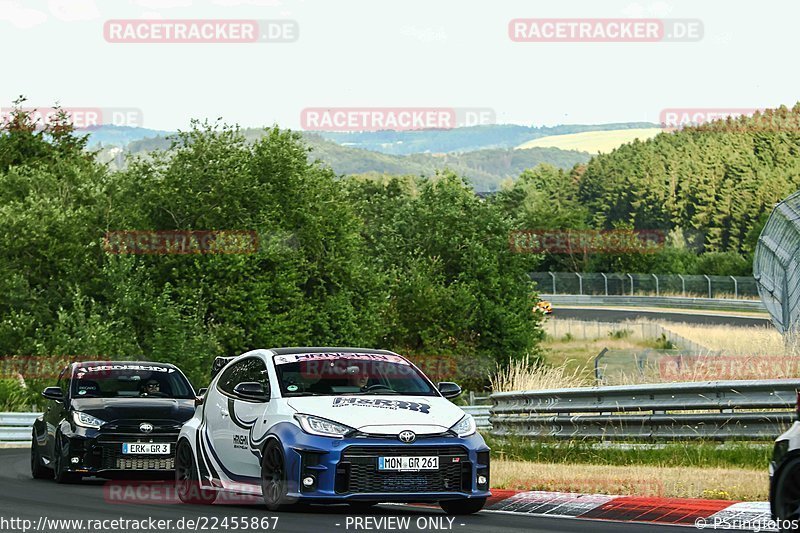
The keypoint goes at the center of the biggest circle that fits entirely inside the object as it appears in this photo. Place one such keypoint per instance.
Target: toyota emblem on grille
(407, 436)
(145, 427)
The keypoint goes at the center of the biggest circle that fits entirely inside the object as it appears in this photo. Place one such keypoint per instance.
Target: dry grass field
(592, 141)
(668, 482)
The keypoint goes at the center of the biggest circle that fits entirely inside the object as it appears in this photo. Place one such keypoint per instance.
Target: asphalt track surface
(620, 315)
(22, 497)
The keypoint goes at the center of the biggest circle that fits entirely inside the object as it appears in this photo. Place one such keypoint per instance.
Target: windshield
(130, 380)
(334, 374)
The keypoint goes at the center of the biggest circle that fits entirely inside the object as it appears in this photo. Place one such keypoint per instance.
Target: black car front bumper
(99, 452)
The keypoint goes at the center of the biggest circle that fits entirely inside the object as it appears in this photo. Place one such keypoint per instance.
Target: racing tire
(59, 468)
(787, 492)
(463, 506)
(38, 470)
(187, 479)
(274, 479)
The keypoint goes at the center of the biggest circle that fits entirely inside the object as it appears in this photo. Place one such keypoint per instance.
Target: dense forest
(421, 266)
(709, 188)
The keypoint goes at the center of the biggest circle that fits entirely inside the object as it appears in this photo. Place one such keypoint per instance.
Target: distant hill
(117, 135)
(463, 139)
(594, 142)
(485, 169)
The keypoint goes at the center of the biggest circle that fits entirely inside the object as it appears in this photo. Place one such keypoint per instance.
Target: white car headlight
(322, 427)
(465, 427)
(86, 421)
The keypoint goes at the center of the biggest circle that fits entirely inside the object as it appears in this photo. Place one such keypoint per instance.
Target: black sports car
(111, 419)
(784, 476)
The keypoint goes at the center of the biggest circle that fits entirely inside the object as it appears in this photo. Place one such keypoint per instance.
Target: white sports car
(335, 425)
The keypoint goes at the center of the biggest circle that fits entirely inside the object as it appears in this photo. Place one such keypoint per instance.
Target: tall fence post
(709, 285)
(631, 277)
(656, 278)
(683, 285)
(580, 283)
(554, 281)
(605, 282)
(735, 287)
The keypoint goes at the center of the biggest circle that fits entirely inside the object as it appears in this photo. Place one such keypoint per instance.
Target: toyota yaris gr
(331, 425)
(111, 419)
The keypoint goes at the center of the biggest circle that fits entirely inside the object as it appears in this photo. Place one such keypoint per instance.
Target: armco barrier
(720, 304)
(714, 410)
(16, 427)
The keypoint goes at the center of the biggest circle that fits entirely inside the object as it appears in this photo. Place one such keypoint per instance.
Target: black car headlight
(85, 420)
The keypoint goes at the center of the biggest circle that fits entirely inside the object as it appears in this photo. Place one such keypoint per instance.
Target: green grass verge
(687, 454)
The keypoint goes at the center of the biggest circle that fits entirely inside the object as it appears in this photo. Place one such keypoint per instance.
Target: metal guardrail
(629, 284)
(714, 410)
(721, 304)
(16, 427)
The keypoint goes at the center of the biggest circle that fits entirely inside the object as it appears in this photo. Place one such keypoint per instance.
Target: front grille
(112, 457)
(358, 473)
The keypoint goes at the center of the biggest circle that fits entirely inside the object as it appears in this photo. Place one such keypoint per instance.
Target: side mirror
(250, 390)
(200, 397)
(53, 393)
(449, 389)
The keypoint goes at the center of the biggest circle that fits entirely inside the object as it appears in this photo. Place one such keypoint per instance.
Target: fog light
(308, 481)
(481, 480)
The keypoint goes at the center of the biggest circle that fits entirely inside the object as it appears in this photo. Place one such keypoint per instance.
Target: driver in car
(357, 378)
(151, 388)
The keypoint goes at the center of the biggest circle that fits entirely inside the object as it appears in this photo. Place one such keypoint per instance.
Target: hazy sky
(416, 53)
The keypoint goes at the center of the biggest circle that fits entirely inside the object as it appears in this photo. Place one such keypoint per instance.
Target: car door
(249, 426)
(218, 427)
(56, 411)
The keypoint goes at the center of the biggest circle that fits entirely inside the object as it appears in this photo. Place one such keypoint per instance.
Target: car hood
(148, 409)
(383, 414)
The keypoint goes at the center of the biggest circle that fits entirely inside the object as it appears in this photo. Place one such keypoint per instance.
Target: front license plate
(412, 464)
(148, 448)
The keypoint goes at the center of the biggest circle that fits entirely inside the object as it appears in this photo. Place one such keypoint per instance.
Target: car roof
(327, 349)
